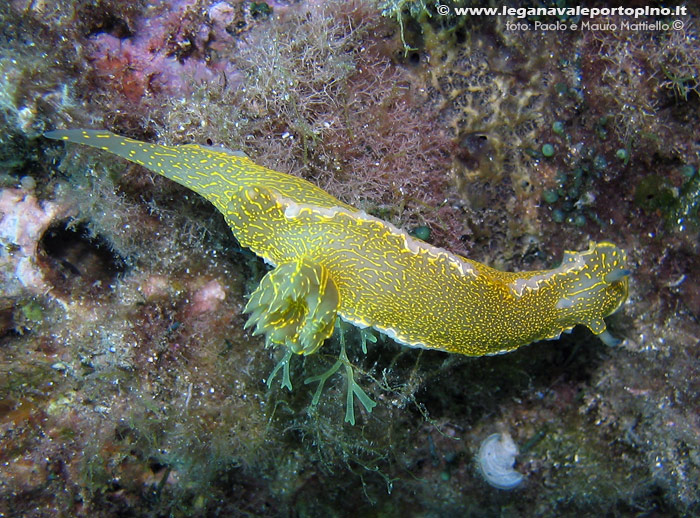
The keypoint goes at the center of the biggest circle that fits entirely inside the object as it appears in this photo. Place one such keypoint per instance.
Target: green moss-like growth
(686, 213)
(32, 311)
(654, 192)
(679, 207)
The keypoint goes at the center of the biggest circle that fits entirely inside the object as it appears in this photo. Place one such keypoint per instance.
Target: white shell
(496, 459)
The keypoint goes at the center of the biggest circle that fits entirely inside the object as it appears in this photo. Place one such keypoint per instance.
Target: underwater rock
(23, 221)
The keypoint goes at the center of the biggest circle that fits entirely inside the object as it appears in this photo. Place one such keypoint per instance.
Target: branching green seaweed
(353, 388)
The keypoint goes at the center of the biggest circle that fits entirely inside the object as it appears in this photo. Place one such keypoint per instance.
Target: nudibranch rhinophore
(330, 259)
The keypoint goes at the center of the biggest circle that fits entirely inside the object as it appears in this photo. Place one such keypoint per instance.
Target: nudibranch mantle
(332, 260)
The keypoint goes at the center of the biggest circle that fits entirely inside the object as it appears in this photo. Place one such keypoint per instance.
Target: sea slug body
(330, 259)
(496, 459)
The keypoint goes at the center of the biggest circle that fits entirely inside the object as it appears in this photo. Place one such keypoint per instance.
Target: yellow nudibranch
(330, 259)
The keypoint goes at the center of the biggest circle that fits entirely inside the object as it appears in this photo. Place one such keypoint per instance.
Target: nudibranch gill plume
(329, 259)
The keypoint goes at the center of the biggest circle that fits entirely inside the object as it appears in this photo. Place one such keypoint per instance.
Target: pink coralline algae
(23, 220)
(154, 286)
(207, 298)
(167, 52)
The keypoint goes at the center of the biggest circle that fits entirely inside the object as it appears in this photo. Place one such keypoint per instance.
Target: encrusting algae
(330, 259)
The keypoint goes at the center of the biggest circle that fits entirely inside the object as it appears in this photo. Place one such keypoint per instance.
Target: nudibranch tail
(214, 174)
(177, 163)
